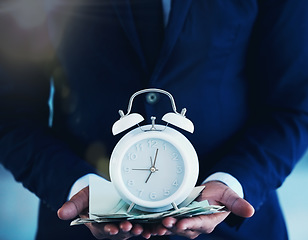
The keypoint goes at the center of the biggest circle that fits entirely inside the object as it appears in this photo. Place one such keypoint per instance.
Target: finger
(191, 234)
(153, 230)
(169, 222)
(200, 224)
(75, 205)
(146, 234)
(159, 230)
(101, 231)
(137, 229)
(236, 205)
(125, 226)
(187, 233)
(110, 229)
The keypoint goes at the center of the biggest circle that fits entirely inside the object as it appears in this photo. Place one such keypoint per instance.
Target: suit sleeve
(42, 163)
(276, 135)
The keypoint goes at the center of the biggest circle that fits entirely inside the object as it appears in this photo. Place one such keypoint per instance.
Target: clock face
(152, 169)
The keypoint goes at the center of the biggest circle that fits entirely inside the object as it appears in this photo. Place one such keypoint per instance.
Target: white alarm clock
(153, 167)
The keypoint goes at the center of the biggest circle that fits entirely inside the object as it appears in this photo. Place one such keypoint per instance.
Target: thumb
(75, 205)
(236, 205)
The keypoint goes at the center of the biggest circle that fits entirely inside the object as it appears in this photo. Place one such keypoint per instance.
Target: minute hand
(155, 157)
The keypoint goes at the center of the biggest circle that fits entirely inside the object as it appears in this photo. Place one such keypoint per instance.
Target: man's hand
(216, 193)
(78, 205)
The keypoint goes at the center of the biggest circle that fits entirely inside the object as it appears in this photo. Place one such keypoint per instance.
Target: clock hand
(143, 169)
(153, 168)
(155, 157)
(146, 169)
(148, 177)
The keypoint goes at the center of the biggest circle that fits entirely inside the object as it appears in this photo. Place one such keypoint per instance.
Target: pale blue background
(19, 207)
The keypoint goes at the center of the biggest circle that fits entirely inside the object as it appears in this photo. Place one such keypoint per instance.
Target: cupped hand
(216, 193)
(79, 204)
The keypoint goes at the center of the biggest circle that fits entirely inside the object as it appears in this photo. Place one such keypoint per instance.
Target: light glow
(26, 13)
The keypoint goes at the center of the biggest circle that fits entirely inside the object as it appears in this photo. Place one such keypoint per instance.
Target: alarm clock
(153, 167)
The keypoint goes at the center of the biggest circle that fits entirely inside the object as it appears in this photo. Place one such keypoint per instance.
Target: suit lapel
(124, 13)
(179, 10)
(178, 13)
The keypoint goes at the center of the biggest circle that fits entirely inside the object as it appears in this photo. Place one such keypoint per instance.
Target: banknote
(188, 208)
(193, 209)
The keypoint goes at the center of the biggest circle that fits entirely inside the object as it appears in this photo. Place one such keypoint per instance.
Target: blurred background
(19, 207)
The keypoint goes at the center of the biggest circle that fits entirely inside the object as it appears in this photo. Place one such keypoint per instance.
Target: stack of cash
(120, 213)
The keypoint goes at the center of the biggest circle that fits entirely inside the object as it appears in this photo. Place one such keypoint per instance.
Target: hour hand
(148, 177)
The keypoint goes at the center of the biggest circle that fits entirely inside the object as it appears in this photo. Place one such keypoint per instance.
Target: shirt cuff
(80, 184)
(228, 180)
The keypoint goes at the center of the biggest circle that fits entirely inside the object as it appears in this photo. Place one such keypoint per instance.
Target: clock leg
(131, 206)
(174, 206)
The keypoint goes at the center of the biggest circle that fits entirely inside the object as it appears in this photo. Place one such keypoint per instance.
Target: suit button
(152, 98)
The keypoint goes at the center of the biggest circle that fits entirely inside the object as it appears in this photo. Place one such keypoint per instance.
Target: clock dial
(152, 169)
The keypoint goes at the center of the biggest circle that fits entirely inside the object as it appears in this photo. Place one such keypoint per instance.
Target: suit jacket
(238, 66)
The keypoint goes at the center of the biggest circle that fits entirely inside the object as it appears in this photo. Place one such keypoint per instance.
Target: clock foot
(131, 206)
(174, 206)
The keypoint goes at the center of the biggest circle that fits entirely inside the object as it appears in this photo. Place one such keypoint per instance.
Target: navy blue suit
(239, 67)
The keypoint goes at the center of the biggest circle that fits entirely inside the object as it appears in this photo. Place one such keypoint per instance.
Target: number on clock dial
(153, 169)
